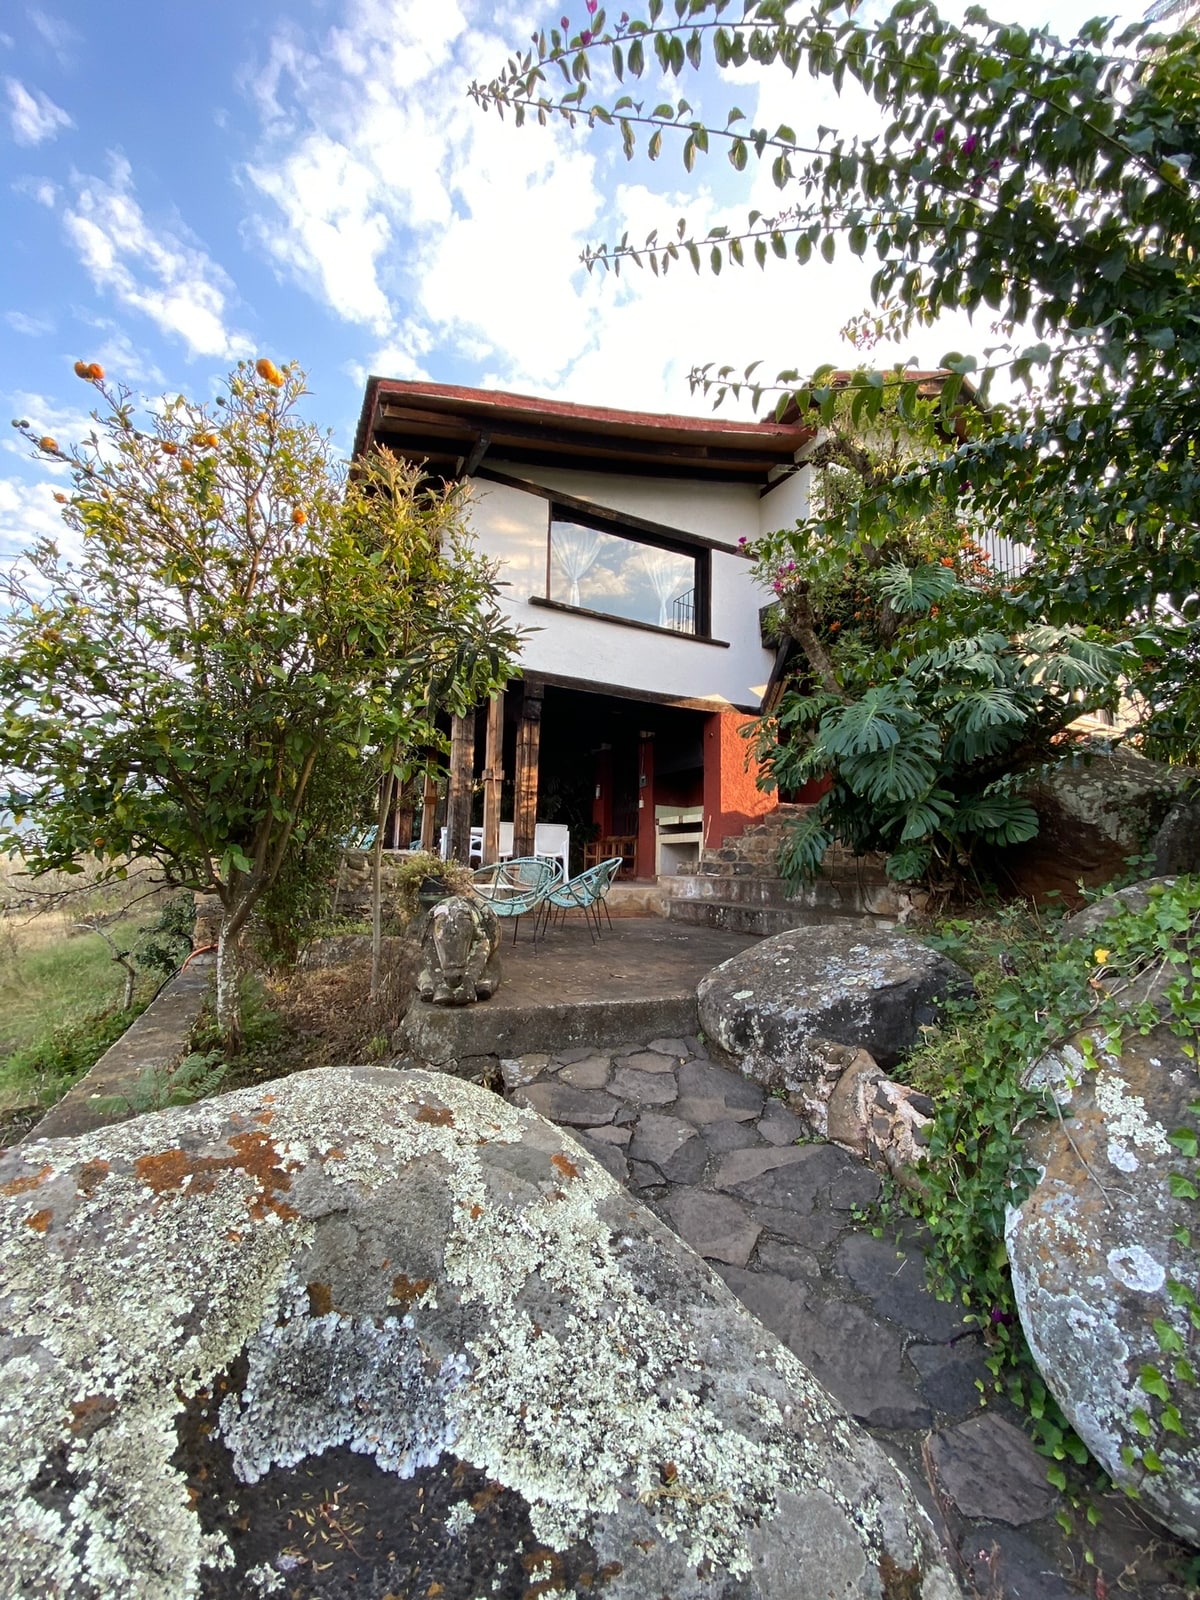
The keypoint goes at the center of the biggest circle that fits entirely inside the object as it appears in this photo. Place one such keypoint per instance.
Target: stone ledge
(155, 1039)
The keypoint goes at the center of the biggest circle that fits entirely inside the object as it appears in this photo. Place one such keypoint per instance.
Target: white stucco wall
(513, 526)
(784, 502)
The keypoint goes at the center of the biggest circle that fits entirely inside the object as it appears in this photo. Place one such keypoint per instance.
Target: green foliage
(241, 623)
(926, 724)
(1035, 992)
(1048, 187)
(163, 945)
(414, 869)
(56, 1062)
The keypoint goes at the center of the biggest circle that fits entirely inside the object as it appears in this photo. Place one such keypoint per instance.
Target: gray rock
(575, 1108)
(644, 1088)
(610, 1156)
(778, 1125)
(658, 1137)
(443, 1277)
(726, 1135)
(893, 1277)
(714, 1225)
(854, 1189)
(610, 1135)
(1094, 1251)
(742, 1167)
(589, 1073)
(679, 1048)
(990, 1469)
(1176, 845)
(788, 1260)
(517, 1071)
(770, 1009)
(798, 1182)
(815, 1230)
(652, 1061)
(643, 1175)
(778, 1302)
(709, 1093)
(861, 1361)
(954, 1377)
(1095, 810)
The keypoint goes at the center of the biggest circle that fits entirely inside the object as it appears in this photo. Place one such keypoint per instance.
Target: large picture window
(623, 575)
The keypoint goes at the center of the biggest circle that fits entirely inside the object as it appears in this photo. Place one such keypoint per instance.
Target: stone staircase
(737, 887)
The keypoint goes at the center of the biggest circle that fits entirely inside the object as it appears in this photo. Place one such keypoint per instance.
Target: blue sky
(186, 184)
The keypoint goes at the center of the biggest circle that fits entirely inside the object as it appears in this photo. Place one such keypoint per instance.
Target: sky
(186, 185)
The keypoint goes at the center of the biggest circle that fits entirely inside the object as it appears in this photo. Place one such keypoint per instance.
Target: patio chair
(514, 887)
(584, 893)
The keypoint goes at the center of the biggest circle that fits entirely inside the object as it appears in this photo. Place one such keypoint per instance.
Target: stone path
(791, 1228)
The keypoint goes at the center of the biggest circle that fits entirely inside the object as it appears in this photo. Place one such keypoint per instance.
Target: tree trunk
(229, 997)
(385, 804)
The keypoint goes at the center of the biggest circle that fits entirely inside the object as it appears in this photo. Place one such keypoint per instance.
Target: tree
(240, 622)
(1050, 187)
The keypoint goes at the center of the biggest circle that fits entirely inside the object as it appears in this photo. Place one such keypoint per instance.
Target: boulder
(1098, 1268)
(366, 1331)
(775, 1009)
(1096, 810)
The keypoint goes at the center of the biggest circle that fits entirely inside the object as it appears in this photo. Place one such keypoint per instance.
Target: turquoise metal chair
(584, 893)
(514, 887)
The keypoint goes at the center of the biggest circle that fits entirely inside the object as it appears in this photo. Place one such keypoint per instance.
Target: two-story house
(620, 538)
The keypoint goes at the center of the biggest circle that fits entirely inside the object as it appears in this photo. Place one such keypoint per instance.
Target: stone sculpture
(460, 952)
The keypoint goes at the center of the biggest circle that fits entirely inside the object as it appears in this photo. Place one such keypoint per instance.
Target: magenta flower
(969, 144)
(939, 136)
(564, 23)
(592, 7)
(585, 37)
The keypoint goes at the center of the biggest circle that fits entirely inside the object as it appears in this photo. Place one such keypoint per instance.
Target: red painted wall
(732, 798)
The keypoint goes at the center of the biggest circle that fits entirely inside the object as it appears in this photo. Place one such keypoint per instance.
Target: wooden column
(493, 779)
(429, 815)
(400, 831)
(646, 833)
(458, 806)
(529, 732)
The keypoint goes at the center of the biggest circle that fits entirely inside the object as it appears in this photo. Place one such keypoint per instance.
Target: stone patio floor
(794, 1229)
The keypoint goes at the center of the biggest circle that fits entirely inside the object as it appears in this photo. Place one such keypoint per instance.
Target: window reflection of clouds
(604, 572)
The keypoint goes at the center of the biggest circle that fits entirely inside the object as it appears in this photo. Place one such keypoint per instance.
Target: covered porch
(651, 781)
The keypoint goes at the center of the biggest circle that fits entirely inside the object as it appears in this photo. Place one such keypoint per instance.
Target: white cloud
(32, 327)
(33, 116)
(28, 512)
(39, 189)
(60, 36)
(159, 272)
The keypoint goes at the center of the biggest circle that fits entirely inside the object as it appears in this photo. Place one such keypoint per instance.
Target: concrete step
(741, 888)
(735, 917)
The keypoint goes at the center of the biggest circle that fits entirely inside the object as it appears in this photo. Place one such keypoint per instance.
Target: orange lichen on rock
(564, 1165)
(438, 1116)
(91, 1175)
(254, 1154)
(320, 1299)
(407, 1291)
(40, 1220)
(23, 1185)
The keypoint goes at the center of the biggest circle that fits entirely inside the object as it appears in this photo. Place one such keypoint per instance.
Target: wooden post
(525, 801)
(462, 768)
(429, 815)
(402, 817)
(493, 779)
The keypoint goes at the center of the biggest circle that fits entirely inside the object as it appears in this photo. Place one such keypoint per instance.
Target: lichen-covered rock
(1095, 811)
(223, 1328)
(1099, 1269)
(773, 1008)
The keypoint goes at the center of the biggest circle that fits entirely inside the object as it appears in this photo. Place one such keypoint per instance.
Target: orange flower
(947, 561)
(299, 516)
(269, 372)
(95, 372)
(933, 611)
(49, 445)
(169, 447)
(60, 497)
(834, 626)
